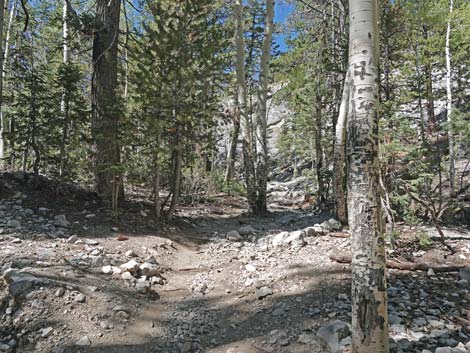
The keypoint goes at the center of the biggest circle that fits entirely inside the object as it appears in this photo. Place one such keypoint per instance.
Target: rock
(263, 292)
(21, 283)
(250, 268)
(72, 239)
(45, 332)
(295, 238)
(91, 242)
(131, 253)
(131, 266)
(334, 224)
(90, 215)
(142, 287)
(306, 338)
(83, 341)
(332, 333)
(148, 269)
(115, 229)
(431, 272)
(61, 221)
(233, 235)
(316, 230)
(14, 224)
(108, 270)
(121, 308)
(246, 230)
(59, 292)
(443, 350)
(5, 348)
(127, 276)
(80, 298)
(465, 274)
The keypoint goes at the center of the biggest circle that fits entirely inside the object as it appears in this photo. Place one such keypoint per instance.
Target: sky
(282, 11)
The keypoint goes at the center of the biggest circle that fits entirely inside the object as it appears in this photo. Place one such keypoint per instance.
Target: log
(401, 265)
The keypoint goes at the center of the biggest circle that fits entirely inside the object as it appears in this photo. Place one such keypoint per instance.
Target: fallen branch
(401, 265)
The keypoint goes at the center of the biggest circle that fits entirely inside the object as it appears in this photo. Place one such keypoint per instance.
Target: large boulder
(285, 239)
(21, 283)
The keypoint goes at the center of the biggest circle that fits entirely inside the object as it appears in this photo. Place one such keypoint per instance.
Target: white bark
(449, 101)
(262, 120)
(245, 123)
(369, 299)
(2, 57)
(339, 158)
(63, 101)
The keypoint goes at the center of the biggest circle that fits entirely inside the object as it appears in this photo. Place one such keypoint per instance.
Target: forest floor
(218, 280)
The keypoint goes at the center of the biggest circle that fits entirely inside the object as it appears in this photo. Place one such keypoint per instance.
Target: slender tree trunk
(156, 182)
(449, 102)
(339, 155)
(64, 104)
(105, 110)
(321, 197)
(232, 153)
(369, 295)
(429, 89)
(246, 127)
(262, 118)
(177, 173)
(2, 59)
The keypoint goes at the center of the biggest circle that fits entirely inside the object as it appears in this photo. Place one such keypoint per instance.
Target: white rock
(148, 269)
(83, 341)
(250, 268)
(108, 270)
(131, 253)
(131, 266)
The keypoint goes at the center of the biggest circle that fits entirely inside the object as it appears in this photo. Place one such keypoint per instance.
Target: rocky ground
(79, 279)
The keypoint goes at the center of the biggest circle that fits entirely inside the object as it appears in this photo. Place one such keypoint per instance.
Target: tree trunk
(2, 59)
(232, 153)
(156, 182)
(246, 127)
(429, 90)
(262, 119)
(339, 155)
(177, 173)
(369, 295)
(105, 109)
(64, 104)
(321, 197)
(449, 102)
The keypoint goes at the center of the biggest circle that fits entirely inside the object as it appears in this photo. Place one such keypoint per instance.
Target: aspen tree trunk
(262, 119)
(64, 104)
(449, 102)
(2, 59)
(369, 295)
(247, 136)
(105, 112)
(339, 155)
(321, 197)
(232, 153)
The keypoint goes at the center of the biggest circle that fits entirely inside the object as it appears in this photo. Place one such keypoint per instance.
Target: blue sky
(282, 12)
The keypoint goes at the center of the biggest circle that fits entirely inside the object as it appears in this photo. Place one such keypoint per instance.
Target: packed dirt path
(77, 279)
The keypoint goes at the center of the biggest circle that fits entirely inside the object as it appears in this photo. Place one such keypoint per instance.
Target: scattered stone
(83, 341)
(263, 292)
(443, 350)
(59, 292)
(246, 230)
(61, 221)
(431, 272)
(80, 298)
(127, 276)
(233, 235)
(332, 333)
(131, 266)
(115, 229)
(45, 332)
(306, 338)
(72, 239)
(108, 270)
(148, 269)
(131, 253)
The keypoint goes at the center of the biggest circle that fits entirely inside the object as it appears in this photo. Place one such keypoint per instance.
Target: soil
(220, 294)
